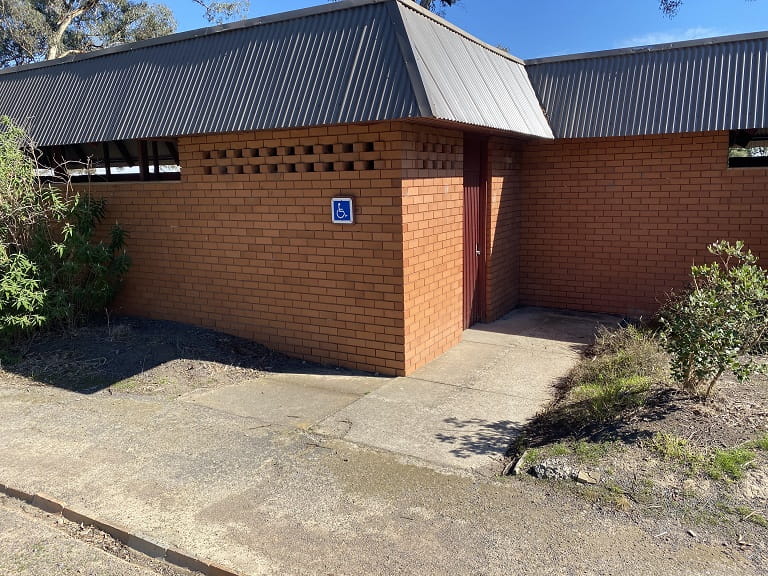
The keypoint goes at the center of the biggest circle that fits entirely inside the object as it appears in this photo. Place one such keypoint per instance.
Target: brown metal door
(475, 160)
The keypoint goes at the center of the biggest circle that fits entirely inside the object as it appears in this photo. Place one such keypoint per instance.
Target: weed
(729, 464)
(591, 450)
(625, 363)
(532, 455)
(749, 515)
(607, 400)
(674, 448)
(745, 514)
(559, 449)
(760, 443)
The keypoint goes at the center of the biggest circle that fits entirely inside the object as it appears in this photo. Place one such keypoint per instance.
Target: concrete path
(460, 410)
(241, 476)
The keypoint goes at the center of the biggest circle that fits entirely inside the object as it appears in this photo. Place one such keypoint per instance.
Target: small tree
(719, 321)
(52, 272)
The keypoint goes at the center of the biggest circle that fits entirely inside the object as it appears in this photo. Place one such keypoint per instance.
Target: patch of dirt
(664, 495)
(141, 356)
(735, 414)
(94, 537)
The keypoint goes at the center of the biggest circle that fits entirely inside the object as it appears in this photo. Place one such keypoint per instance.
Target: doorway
(475, 207)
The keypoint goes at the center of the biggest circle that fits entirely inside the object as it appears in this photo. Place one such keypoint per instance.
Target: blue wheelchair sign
(341, 211)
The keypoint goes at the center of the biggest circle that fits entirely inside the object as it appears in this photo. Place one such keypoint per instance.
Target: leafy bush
(81, 276)
(52, 272)
(719, 321)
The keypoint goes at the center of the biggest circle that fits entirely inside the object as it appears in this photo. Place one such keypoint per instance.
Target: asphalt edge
(135, 540)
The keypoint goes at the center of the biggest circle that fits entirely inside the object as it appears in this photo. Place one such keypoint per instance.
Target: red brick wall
(502, 250)
(432, 242)
(613, 224)
(244, 242)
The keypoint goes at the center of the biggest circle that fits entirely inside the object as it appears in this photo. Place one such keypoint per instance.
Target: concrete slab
(556, 330)
(288, 399)
(462, 365)
(443, 424)
(464, 408)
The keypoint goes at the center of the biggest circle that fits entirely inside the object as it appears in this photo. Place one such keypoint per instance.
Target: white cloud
(668, 37)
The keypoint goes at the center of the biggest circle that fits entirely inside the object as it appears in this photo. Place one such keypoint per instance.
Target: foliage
(33, 30)
(674, 448)
(730, 463)
(437, 6)
(760, 443)
(617, 378)
(720, 464)
(718, 321)
(52, 272)
(670, 7)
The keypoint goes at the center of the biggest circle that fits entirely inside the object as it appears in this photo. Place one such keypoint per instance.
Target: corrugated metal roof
(343, 62)
(467, 81)
(323, 66)
(702, 85)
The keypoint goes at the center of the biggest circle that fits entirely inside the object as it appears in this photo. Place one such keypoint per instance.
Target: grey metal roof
(701, 85)
(469, 81)
(342, 62)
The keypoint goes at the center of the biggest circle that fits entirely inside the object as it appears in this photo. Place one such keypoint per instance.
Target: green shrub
(719, 321)
(21, 296)
(52, 272)
(81, 276)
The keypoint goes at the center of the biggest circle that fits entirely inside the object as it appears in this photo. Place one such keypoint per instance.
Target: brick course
(611, 225)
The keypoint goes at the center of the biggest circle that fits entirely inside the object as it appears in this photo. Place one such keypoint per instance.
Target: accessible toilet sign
(341, 211)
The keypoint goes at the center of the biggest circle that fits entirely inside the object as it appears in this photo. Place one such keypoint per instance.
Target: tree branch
(54, 43)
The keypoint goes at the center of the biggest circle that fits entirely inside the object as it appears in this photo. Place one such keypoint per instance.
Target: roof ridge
(709, 41)
(412, 5)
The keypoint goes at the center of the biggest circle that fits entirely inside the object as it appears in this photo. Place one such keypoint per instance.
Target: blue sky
(534, 28)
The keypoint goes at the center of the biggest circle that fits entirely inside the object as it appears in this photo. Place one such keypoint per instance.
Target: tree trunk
(54, 42)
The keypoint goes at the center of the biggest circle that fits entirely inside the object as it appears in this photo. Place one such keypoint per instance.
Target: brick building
(478, 182)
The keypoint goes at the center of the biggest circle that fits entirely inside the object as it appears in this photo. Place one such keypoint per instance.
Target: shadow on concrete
(100, 355)
(575, 330)
(476, 436)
